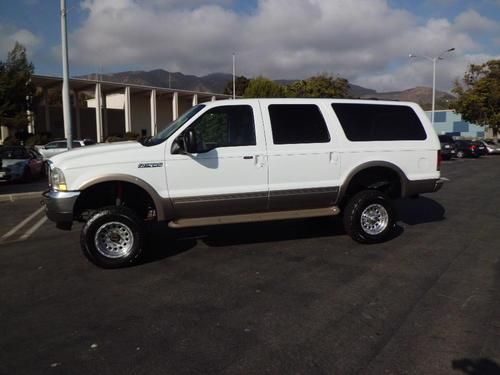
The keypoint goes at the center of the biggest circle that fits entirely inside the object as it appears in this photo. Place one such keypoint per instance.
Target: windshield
(173, 126)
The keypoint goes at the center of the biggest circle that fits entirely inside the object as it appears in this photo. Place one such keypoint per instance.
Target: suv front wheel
(113, 237)
(369, 217)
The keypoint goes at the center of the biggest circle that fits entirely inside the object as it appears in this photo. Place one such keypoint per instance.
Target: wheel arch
(373, 165)
(159, 202)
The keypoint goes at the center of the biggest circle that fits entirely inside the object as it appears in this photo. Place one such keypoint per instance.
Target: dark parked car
(448, 149)
(19, 164)
(467, 148)
(481, 148)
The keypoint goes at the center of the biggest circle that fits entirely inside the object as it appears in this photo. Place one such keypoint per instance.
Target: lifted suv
(248, 160)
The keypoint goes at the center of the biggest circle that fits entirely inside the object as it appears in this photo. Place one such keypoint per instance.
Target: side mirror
(190, 142)
(178, 147)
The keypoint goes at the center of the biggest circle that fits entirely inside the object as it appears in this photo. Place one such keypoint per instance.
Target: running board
(249, 218)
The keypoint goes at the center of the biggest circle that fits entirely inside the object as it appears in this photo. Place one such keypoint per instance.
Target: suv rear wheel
(113, 237)
(369, 217)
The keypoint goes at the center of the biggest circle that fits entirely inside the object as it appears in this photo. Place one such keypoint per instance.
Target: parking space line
(21, 224)
(30, 231)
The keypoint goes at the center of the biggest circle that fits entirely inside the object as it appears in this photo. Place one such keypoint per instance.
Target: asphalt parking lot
(296, 297)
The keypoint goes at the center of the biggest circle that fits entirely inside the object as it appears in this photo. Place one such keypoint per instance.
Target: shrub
(11, 141)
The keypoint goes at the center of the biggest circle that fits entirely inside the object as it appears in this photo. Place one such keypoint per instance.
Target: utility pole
(234, 76)
(65, 89)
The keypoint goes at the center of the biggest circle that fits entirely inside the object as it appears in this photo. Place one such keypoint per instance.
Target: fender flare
(162, 205)
(376, 163)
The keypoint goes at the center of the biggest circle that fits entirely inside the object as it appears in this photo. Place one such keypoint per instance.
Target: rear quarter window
(379, 122)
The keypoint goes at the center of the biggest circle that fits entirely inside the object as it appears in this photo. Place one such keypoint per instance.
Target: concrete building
(113, 108)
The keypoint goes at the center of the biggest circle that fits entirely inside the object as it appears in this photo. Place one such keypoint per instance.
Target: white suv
(248, 160)
(57, 147)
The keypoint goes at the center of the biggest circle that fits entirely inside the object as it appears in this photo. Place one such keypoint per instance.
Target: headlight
(57, 180)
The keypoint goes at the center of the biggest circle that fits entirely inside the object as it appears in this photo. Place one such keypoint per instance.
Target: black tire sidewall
(103, 216)
(352, 216)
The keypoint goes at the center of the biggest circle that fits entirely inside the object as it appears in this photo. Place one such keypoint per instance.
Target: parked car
(492, 147)
(19, 164)
(56, 147)
(448, 149)
(481, 147)
(466, 148)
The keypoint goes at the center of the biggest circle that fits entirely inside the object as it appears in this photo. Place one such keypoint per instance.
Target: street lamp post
(234, 76)
(434, 60)
(65, 88)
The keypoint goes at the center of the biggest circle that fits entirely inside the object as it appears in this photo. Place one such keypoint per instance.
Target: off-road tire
(113, 237)
(379, 206)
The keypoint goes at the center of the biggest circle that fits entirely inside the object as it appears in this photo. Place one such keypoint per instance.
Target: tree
(321, 86)
(241, 85)
(16, 89)
(262, 87)
(479, 95)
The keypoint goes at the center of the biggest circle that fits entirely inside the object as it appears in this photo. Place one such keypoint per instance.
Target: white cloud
(364, 40)
(472, 21)
(9, 35)
(419, 73)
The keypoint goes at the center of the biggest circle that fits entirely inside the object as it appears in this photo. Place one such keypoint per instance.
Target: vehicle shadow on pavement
(237, 234)
(274, 231)
(157, 239)
(411, 212)
(481, 366)
(419, 211)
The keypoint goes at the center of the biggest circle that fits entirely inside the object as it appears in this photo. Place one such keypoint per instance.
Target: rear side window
(374, 122)
(297, 123)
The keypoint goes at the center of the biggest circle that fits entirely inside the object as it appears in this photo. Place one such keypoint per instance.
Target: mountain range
(216, 82)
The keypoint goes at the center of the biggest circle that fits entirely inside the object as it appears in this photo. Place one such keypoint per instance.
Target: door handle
(247, 157)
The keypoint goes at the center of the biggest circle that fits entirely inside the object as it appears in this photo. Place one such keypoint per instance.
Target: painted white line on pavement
(21, 224)
(30, 231)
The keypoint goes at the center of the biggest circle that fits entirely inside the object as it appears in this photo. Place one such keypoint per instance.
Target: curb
(20, 196)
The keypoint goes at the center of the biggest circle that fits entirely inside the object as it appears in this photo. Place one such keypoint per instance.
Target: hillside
(420, 95)
(216, 82)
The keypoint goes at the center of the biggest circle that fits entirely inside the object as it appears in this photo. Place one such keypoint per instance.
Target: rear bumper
(59, 205)
(423, 186)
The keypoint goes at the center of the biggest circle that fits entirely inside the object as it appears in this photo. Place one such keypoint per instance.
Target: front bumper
(59, 205)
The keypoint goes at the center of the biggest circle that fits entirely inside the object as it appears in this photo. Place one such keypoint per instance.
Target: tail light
(439, 160)
(473, 148)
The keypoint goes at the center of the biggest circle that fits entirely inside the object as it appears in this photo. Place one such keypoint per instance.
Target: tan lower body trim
(256, 217)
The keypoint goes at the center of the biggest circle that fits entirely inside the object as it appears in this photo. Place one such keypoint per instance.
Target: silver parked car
(493, 148)
(56, 147)
(20, 164)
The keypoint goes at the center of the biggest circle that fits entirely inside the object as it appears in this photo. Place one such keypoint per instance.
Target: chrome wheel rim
(374, 219)
(114, 240)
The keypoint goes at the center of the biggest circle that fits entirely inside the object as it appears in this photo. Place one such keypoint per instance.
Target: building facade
(451, 123)
(138, 109)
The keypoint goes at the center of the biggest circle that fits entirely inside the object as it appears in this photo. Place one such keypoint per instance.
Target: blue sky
(366, 41)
